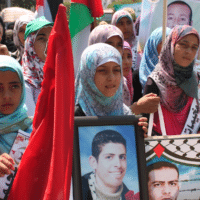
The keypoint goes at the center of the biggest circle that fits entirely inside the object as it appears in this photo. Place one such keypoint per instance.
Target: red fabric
(174, 122)
(45, 170)
(39, 3)
(94, 5)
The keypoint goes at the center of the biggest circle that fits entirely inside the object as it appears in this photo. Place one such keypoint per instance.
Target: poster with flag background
(181, 151)
(82, 13)
(180, 12)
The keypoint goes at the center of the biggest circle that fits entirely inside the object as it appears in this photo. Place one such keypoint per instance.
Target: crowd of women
(111, 79)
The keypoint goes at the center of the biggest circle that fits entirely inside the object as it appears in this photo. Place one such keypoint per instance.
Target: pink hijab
(129, 78)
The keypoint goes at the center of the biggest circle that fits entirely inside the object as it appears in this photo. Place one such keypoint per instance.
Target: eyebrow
(13, 82)
(188, 42)
(164, 181)
(41, 34)
(123, 154)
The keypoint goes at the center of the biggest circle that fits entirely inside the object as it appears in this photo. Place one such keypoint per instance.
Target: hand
(146, 104)
(143, 122)
(6, 164)
(4, 50)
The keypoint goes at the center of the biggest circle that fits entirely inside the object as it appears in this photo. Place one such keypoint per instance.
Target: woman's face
(126, 62)
(107, 78)
(10, 92)
(126, 26)
(1, 32)
(185, 50)
(116, 42)
(21, 33)
(41, 42)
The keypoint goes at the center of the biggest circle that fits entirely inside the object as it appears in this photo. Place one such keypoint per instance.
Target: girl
(151, 54)
(18, 35)
(127, 73)
(99, 83)
(13, 111)
(123, 20)
(107, 34)
(36, 37)
(174, 81)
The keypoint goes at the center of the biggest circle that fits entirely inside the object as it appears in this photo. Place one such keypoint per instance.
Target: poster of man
(179, 12)
(173, 167)
(108, 162)
(163, 181)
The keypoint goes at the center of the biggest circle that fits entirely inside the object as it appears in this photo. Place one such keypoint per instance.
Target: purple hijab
(174, 96)
(102, 33)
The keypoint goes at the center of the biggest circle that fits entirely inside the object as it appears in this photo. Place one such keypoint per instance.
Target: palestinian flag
(82, 13)
(47, 8)
(46, 167)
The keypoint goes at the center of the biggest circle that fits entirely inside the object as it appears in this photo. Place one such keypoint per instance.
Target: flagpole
(164, 21)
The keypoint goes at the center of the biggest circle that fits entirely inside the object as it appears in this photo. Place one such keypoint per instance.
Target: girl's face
(185, 50)
(126, 62)
(107, 78)
(126, 26)
(10, 92)
(41, 42)
(21, 33)
(116, 42)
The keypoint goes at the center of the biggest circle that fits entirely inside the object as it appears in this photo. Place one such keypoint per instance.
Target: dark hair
(104, 137)
(183, 3)
(3, 36)
(160, 165)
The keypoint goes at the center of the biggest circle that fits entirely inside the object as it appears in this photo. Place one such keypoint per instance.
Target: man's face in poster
(163, 184)
(178, 14)
(110, 168)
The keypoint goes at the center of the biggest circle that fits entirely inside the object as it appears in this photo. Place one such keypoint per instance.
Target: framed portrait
(173, 167)
(109, 158)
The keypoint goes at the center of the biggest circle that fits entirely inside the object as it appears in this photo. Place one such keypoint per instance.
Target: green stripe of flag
(80, 17)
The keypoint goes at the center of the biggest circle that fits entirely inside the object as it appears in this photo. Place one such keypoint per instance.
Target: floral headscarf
(150, 55)
(88, 96)
(174, 96)
(102, 33)
(24, 19)
(32, 65)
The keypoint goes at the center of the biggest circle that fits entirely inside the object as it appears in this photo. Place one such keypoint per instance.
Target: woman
(151, 54)
(127, 73)
(36, 38)
(107, 34)
(123, 20)
(173, 79)
(13, 111)
(18, 35)
(99, 84)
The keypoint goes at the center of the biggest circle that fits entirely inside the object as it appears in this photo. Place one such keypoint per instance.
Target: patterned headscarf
(88, 96)
(8, 63)
(173, 96)
(116, 18)
(150, 55)
(129, 78)
(32, 65)
(102, 33)
(24, 19)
